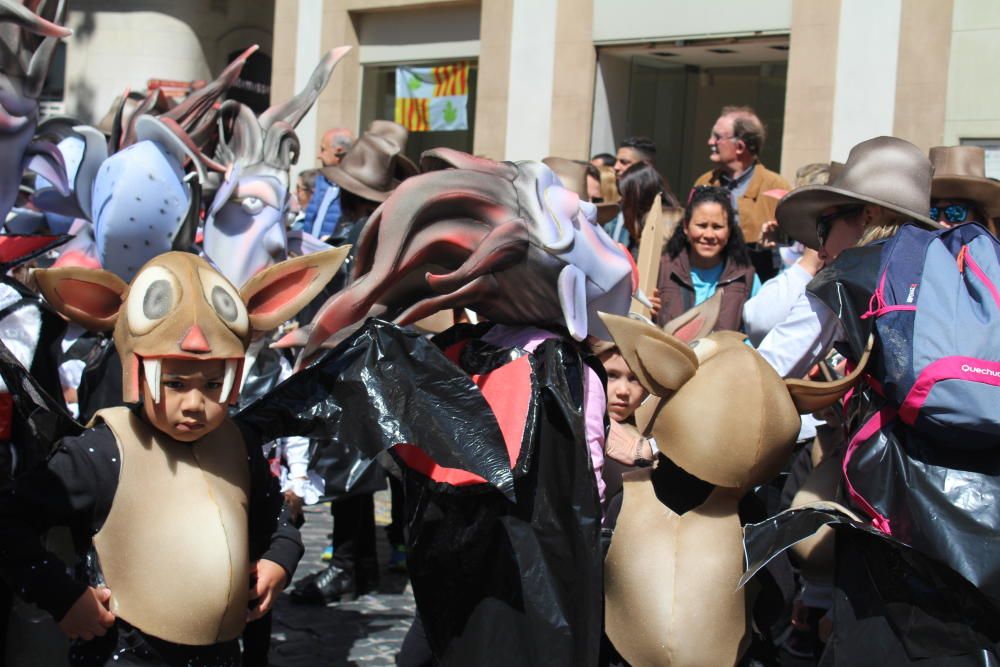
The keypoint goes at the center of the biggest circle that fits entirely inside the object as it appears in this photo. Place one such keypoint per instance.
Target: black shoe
(329, 585)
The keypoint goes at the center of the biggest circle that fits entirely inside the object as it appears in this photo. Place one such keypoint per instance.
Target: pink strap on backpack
(877, 422)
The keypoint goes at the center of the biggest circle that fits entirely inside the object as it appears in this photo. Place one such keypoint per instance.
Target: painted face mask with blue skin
(29, 43)
(246, 226)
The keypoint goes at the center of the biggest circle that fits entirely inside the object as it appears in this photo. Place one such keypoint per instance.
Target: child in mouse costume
(174, 498)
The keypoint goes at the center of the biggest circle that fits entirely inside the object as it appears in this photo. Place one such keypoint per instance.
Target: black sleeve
(272, 535)
(75, 488)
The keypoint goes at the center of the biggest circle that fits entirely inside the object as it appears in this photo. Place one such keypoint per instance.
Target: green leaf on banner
(450, 113)
(413, 83)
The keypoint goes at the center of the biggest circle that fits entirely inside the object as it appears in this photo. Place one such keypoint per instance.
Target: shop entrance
(673, 95)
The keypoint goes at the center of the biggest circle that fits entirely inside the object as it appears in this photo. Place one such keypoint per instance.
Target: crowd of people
(193, 349)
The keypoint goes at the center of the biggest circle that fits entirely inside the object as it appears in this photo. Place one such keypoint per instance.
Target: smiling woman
(707, 252)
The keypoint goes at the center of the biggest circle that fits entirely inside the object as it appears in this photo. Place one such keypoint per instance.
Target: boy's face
(625, 394)
(190, 405)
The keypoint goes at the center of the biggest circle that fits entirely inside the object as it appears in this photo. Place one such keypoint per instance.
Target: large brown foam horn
(292, 110)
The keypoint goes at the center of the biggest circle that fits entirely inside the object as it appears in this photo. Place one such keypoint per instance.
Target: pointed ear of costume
(661, 362)
(809, 396)
(698, 321)
(277, 293)
(89, 297)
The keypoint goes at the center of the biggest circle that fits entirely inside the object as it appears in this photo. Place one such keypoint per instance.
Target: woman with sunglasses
(960, 192)
(705, 253)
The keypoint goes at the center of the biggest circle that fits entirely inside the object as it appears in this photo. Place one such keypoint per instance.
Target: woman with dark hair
(638, 186)
(706, 252)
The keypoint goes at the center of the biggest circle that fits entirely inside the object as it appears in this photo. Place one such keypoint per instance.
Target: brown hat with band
(960, 173)
(375, 165)
(573, 175)
(885, 171)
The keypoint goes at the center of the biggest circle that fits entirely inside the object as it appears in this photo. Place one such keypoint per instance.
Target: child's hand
(271, 580)
(89, 616)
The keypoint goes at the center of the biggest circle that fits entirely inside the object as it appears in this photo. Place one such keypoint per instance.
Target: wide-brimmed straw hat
(375, 164)
(960, 173)
(885, 171)
(573, 175)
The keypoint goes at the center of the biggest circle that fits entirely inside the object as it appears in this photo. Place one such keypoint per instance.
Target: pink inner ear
(93, 299)
(275, 295)
(688, 331)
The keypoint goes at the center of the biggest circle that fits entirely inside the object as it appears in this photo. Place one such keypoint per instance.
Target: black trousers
(354, 536)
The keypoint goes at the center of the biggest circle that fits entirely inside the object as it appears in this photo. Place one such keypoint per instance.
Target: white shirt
(803, 338)
(771, 305)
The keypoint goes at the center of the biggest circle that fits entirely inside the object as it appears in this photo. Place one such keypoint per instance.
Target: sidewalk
(367, 631)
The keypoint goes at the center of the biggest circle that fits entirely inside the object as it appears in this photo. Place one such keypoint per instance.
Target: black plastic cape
(502, 582)
(381, 387)
(893, 605)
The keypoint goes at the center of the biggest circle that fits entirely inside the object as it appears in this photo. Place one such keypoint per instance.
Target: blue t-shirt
(705, 281)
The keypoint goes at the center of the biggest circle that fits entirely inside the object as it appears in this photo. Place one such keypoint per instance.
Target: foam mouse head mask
(179, 306)
(717, 409)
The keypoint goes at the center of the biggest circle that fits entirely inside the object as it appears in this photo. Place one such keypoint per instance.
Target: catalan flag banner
(432, 98)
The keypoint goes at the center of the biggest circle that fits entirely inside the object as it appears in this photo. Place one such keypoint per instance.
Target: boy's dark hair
(607, 159)
(736, 248)
(644, 146)
(747, 127)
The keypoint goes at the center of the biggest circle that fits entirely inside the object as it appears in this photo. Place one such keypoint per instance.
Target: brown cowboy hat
(375, 165)
(573, 175)
(960, 173)
(885, 171)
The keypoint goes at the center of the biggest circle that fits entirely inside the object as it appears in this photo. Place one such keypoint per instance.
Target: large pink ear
(89, 297)
(278, 292)
(661, 363)
(698, 321)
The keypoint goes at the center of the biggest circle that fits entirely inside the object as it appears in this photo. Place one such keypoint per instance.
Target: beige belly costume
(174, 548)
(689, 611)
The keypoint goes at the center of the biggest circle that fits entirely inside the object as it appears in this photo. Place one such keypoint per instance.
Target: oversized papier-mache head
(245, 228)
(507, 240)
(179, 306)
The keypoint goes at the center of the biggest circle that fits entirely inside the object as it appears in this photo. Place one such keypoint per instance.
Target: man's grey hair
(747, 127)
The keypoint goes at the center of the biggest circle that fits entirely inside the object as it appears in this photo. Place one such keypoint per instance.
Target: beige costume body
(174, 549)
(722, 414)
(690, 612)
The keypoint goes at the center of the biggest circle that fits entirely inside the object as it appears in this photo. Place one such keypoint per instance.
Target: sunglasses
(824, 223)
(953, 213)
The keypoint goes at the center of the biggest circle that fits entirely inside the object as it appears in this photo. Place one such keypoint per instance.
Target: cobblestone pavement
(365, 632)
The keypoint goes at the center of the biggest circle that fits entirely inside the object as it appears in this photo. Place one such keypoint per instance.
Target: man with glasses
(323, 211)
(734, 146)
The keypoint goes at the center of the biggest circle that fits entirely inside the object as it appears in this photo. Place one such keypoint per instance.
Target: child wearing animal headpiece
(172, 499)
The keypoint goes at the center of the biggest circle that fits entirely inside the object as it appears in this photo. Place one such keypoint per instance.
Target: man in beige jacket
(734, 144)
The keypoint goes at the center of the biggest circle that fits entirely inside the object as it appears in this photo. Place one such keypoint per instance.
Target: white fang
(152, 368)
(229, 379)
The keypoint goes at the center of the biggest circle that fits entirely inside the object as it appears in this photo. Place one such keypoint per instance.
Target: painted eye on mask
(225, 301)
(152, 296)
(252, 205)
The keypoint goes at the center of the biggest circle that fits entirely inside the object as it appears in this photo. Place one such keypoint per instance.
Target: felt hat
(885, 171)
(573, 175)
(960, 173)
(373, 166)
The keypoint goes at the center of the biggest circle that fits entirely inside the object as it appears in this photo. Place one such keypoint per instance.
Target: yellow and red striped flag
(433, 98)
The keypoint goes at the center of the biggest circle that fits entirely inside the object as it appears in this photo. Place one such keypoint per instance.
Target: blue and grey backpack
(937, 324)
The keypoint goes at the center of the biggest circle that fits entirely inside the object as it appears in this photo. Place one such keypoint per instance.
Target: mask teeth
(641, 297)
(229, 379)
(152, 369)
